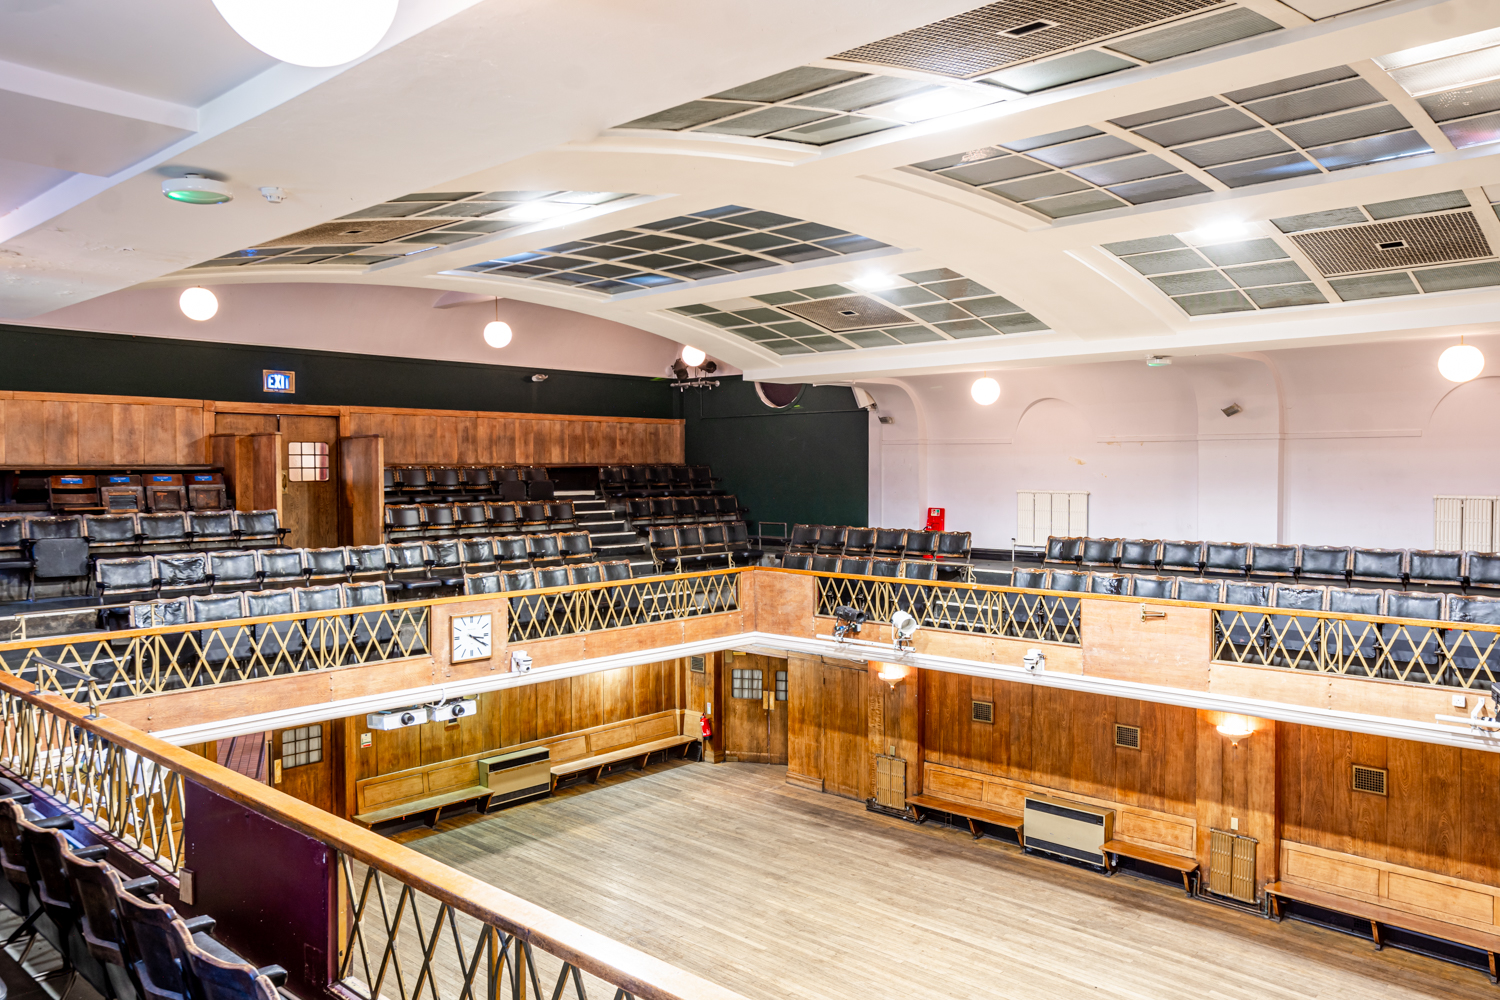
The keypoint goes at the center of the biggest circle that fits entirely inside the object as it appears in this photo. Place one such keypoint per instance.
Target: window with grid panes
(301, 746)
(745, 683)
(781, 685)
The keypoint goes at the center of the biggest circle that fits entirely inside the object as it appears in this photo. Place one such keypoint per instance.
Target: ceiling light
(1439, 50)
(536, 211)
(1221, 232)
(496, 333)
(326, 33)
(691, 356)
(935, 104)
(875, 282)
(1158, 361)
(198, 303)
(1461, 362)
(195, 189)
(985, 390)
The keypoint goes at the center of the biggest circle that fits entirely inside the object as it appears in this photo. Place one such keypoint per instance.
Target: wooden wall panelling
(805, 721)
(845, 745)
(361, 486)
(1239, 783)
(265, 483)
(235, 454)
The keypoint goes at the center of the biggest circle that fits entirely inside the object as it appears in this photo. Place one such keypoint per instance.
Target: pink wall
(1335, 445)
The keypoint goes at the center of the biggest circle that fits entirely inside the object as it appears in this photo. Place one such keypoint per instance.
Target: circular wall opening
(777, 395)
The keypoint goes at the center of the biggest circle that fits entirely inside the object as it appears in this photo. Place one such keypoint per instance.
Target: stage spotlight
(692, 356)
(849, 620)
(679, 369)
(904, 626)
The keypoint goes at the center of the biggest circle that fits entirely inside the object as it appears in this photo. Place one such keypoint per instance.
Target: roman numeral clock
(471, 637)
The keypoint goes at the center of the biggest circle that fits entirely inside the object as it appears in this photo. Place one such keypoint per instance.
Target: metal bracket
(1149, 615)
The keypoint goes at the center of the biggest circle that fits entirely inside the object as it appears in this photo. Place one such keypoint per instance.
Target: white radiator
(1068, 829)
(520, 774)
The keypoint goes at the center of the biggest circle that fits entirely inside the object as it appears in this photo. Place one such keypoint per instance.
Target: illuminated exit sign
(280, 381)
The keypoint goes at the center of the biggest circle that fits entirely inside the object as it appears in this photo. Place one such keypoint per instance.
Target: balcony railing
(959, 607)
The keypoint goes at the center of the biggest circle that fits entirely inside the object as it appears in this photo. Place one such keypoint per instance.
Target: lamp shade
(1460, 363)
(497, 334)
(985, 391)
(325, 33)
(691, 356)
(198, 303)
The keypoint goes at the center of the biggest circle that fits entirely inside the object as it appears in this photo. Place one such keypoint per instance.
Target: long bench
(1383, 916)
(1187, 867)
(921, 805)
(595, 766)
(432, 806)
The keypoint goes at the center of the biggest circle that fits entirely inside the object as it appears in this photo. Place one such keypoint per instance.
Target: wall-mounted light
(1236, 727)
(198, 303)
(985, 390)
(1461, 362)
(892, 673)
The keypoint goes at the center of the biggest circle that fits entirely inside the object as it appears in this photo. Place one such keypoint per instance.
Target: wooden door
(301, 764)
(846, 743)
(755, 721)
(309, 506)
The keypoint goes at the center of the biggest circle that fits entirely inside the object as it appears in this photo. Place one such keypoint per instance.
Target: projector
(398, 718)
(451, 711)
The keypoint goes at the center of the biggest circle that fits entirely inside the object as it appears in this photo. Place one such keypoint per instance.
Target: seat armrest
(200, 925)
(275, 973)
(98, 852)
(141, 886)
(54, 823)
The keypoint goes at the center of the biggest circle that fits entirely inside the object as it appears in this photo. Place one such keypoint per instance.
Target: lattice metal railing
(98, 667)
(1441, 654)
(597, 607)
(997, 611)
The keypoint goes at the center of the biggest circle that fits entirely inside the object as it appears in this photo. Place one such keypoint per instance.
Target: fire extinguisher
(708, 729)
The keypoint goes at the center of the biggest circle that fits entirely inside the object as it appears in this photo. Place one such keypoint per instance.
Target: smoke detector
(195, 189)
(1158, 361)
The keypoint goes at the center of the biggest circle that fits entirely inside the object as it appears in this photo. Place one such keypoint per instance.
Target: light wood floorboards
(775, 891)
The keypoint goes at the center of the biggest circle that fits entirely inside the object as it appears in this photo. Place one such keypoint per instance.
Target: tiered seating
(684, 510)
(76, 491)
(702, 546)
(1247, 560)
(114, 932)
(156, 532)
(443, 520)
(243, 604)
(656, 480)
(951, 548)
(419, 484)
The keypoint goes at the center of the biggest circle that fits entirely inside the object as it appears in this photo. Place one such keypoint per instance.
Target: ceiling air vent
(1029, 29)
(1391, 245)
(1128, 737)
(1369, 779)
(982, 711)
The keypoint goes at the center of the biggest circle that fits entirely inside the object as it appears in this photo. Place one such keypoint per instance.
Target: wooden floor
(775, 892)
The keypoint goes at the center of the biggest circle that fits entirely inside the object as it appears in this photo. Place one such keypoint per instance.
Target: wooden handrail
(636, 972)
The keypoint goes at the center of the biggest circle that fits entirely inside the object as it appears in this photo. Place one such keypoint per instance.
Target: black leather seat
(1273, 560)
(1226, 559)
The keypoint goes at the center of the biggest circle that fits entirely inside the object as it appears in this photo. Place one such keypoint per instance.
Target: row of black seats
(549, 576)
(114, 932)
(683, 510)
(440, 520)
(421, 483)
(407, 566)
(655, 480)
(1396, 567)
(702, 546)
(872, 543)
(892, 568)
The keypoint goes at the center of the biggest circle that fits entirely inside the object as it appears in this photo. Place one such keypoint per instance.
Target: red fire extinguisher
(708, 729)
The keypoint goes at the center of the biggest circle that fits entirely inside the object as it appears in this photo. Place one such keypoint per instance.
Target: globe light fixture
(326, 33)
(691, 356)
(496, 333)
(198, 303)
(985, 390)
(1236, 727)
(1461, 362)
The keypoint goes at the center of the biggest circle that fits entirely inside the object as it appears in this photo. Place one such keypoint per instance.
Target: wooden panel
(361, 490)
(1332, 873)
(1173, 650)
(60, 433)
(656, 729)
(95, 434)
(1425, 894)
(25, 443)
(374, 794)
(845, 745)
(946, 785)
(611, 738)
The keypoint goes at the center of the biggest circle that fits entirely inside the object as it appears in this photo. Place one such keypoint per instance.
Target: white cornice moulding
(1321, 718)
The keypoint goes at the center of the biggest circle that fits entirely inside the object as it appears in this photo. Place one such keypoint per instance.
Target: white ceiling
(522, 95)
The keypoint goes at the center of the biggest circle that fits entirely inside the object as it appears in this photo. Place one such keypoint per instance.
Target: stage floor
(774, 891)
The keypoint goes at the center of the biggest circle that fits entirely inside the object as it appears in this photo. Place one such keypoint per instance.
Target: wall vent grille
(1369, 779)
(982, 711)
(695, 664)
(1128, 737)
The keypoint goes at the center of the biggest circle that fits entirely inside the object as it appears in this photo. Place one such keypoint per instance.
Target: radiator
(1068, 829)
(1231, 865)
(520, 774)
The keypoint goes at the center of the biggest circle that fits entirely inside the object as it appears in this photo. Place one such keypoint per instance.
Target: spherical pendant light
(496, 333)
(198, 303)
(985, 390)
(303, 33)
(1460, 363)
(692, 357)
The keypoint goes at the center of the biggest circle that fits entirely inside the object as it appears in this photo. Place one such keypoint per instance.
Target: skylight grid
(1073, 172)
(1431, 243)
(1457, 82)
(919, 307)
(413, 224)
(1314, 123)
(717, 243)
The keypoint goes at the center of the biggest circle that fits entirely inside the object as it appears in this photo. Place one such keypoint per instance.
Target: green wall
(807, 463)
(42, 360)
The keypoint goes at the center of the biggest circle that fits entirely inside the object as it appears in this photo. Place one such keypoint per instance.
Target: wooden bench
(640, 753)
(1185, 866)
(920, 805)
(434, 804)
(1379, 916)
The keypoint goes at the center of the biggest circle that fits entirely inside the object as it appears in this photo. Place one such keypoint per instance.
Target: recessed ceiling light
(195, 189)
(936, 104)
(536, 211)
(1446, 65)
(875, 282)
(1221, 232)
(326, 33)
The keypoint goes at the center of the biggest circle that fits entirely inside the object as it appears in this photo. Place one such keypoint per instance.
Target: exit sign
(280, 381)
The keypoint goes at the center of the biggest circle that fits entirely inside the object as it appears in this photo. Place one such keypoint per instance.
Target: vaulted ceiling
(821, 191)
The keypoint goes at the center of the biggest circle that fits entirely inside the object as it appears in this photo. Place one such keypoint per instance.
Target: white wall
(1335, 445)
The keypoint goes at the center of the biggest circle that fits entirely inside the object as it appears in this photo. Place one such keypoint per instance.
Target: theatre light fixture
(1236, 727)
(892, 673)
(1461, 362)
(692, 356)
(496, 333)
(326, 33)
(198, 303)
(985, 390)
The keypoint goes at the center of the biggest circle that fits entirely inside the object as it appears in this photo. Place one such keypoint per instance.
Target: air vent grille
(982, 711)
(695, 664)
(1431, 239)
(1369, 779)
(849, 312)
(981, 41)
(1128, 737)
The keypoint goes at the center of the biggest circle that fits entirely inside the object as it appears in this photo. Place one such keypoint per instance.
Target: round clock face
(471, 637)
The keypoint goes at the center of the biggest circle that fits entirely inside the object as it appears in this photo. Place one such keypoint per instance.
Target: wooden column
(266, 478)
(235, 455)
(362, 490)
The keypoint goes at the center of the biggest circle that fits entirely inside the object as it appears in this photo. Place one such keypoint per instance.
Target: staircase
(610, 537)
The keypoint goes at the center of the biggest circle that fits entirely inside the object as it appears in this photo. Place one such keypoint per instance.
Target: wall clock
(471, 637)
